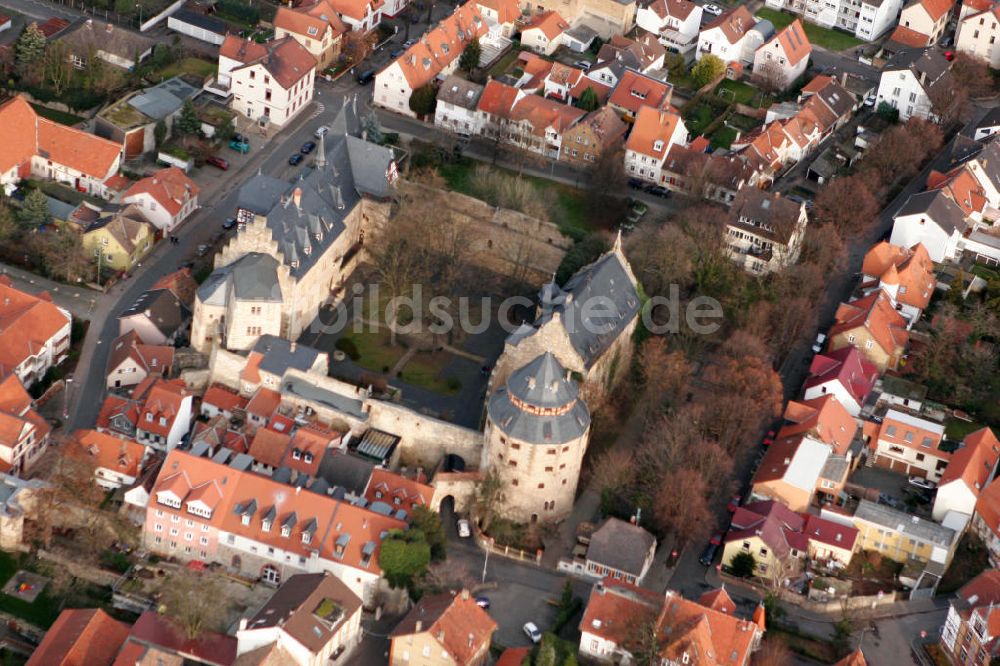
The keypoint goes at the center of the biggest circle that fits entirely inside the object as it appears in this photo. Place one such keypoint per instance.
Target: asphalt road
(88, 386)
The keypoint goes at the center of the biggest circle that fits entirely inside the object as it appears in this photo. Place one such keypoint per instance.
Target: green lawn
(58, 116)
(41, 612)
(374, 349)
(504, 64)
(424, 370)
(736, 91)
(833, 40)
(723, 137)
(193, 66)
(569, 211)
(957, 429)
(699, 118)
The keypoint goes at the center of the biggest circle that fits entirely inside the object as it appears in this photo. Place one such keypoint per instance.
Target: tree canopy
(470, 56)
(423, 100)
(706, 70)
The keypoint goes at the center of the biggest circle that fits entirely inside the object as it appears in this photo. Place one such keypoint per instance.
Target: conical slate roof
(540, 404)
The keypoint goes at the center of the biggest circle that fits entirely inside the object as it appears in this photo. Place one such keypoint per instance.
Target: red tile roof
(163, 398)
(223, 399)
(856, 658)
(734, 24)
(263, 403)
(170, 187)
(285, 59)
(151, 358)
(847, 366)
(25, 134)
(937, 8)
(875, 314)
(268, 447)
(180, 283)
(636, 90)
(27, 323)
(823, 418)
(398, 491)
(455, 620)
(794, 42)
(615, 608)
(653, 129)
(713, 637)
(81, 637)
(308, 445)
(17, 414)
(441, 45)
(909, 37)
(718, 600)
(152, 629)
(974, 463)
(123, 456)
(311, 21)
(550, 23)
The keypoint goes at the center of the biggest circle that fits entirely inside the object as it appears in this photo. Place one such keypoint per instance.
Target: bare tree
(193, 601)
(772, 652)
(847, 204)
(489, 498)
(682, 505)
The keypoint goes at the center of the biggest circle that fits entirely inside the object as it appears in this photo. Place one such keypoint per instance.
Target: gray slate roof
(937, 206)
(905, 524)
(209, 23)
(299, 387)
(163, 99)
(350, 168)
(542, 383)
(163, 309)
(620, 545)
(459, 92)
(253, 277)
(345, 470)
(929, 62)
(279, 355)
(606, 282)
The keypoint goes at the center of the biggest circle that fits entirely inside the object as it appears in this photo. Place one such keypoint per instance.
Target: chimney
(419, 627)
(465, 594)
(243, 623)
(298, 489)
(291, 347)
(297, 197)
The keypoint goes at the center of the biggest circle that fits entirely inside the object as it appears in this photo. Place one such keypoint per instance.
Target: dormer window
(658, 145)
(312, 31)
(286, 531)
(265, 525)
(307, 250)
(296, 454)
(307, 458)
(149, 417)
(245, 519)
(163, 421)
(306, 537)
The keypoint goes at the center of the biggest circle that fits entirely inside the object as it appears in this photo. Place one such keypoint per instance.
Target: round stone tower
(537, 430)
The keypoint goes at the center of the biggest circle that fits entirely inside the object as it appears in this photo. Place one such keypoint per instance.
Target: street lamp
(66, 389)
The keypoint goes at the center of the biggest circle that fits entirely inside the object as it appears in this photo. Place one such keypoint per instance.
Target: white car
(713, 9)
(531, 631)
(818, 345)
(321, 131)
(464, 531)
(870, 101)
(921, 482)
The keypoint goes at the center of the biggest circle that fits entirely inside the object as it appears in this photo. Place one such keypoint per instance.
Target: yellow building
(447, 629)
(119, 241)
(902, 537)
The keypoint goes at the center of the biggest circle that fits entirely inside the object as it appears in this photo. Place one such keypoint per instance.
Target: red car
(949, 55)
(716, 539)
(734, 503)
(218, 162)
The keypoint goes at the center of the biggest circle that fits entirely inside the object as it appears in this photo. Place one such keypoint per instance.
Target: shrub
(347, 346)
(743, 565)
(238, 10)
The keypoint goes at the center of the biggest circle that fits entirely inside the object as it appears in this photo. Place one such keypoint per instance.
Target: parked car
(949, 55)
(321, 131)
(464, 530)
(921, 482)
(820, 341)
(483, 602)
(734, 503)
(947, 42)
(870, 100)
(585, 65)
(202, 250)
(708, 555)
(229, 223)
(532, 632)
(295, 159)
(659, 191)
(408, 43)
(218, 162)
(921, 496)
(308, 147)
(239, 137)
(239, 146)
(366, 77)
(713, 9)
(889, 500)
(637, 184)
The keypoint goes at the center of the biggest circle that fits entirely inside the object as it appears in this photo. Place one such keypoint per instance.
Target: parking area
(891, 488)
(513, 604)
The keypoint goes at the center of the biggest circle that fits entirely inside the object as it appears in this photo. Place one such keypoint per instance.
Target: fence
(149, 23)
(831, 608)
(487, 544)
